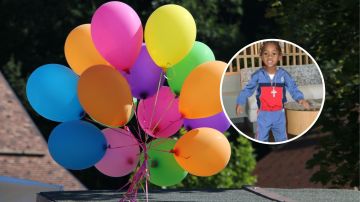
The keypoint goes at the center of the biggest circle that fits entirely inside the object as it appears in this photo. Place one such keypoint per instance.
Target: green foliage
(15, 78)
(329, 30)
(237, 173)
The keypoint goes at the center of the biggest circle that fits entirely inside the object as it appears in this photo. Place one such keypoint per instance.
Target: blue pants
(274, 121)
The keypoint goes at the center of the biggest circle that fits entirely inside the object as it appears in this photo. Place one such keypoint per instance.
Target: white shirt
(271, 76)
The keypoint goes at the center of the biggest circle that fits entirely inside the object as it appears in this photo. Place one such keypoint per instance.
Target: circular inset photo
(272, 91)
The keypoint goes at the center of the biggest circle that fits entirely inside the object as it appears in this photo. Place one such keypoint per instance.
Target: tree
(329, 30)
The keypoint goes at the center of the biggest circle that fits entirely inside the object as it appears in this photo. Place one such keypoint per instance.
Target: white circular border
(289, 140)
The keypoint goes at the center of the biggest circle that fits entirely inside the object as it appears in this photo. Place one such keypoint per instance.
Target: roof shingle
(23, 150)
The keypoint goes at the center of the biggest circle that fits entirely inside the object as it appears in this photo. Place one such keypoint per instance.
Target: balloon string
(147, 178)
(142, 172)
(173, 75)
(123, 186)
(156, 98)
(162, 141)
(138, 123)
(184, 157)
(120, 132)
(124, 146)
(159, 142)
(131, 194)
(166, 151)
(126, 134)
(163, 114)
(139, 139)
(173, 122)
(171, 152)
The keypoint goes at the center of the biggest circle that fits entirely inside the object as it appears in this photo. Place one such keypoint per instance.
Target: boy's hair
(276, 43)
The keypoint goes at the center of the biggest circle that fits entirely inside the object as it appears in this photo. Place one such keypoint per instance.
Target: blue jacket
(270, 96)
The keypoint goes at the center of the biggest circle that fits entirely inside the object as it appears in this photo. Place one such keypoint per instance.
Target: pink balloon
(122, 154)
(117, 34)
(159, 114)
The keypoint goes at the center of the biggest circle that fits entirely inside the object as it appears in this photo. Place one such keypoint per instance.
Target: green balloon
(164, 170)
(177, 74)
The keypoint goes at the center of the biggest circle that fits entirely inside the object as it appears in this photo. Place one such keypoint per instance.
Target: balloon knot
(156, 130)
(154, 163)
(130, 161)
(121, 123)
(127, 71)
(143, 95)
(82, 114)
(188, 128)
(174, 151)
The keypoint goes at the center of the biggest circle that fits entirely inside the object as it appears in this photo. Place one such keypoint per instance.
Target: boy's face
(270, 55)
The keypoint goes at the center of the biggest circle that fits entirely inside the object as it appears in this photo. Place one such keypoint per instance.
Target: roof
(318, 195)
(23, 150)
(285, 166)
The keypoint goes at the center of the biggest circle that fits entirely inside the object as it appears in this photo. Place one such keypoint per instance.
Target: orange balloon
(200, 94)
(80, 51)
(105, 95)
(202, 151)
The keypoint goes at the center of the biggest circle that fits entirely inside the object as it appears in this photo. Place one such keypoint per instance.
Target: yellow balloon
(170, 33)
(200, 94)
(80, 51)
(202, 151)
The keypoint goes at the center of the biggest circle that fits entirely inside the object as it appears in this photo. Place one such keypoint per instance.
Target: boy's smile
(270, 56)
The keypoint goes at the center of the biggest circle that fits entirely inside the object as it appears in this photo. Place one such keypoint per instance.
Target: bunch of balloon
(110, 70)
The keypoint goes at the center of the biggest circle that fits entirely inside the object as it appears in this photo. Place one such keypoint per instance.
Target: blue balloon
(77, 145)
(52, 91)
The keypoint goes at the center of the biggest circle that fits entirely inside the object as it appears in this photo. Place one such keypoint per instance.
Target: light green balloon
(133, 109)
(177, 74)
(164, 170)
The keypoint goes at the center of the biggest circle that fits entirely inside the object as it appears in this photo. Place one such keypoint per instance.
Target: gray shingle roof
(23, 151)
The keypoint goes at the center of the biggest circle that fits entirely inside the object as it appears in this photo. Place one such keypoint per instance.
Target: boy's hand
(305, 104)
(239, 110)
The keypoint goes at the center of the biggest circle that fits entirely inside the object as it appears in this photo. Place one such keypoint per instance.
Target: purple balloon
(144, 76)
(217, 121)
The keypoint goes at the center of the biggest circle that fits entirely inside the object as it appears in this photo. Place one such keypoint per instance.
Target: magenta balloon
(122, 154)
(217, 121)
(160, 117)
(117, 33)
(144, 76)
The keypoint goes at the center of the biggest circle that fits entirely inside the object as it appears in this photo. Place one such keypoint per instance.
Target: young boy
(271, 83)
